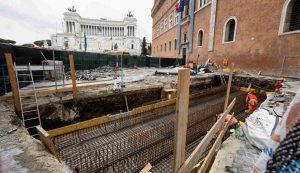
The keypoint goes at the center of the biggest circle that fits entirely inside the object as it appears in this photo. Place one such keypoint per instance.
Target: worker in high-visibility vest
(251, 101)
(278, 84)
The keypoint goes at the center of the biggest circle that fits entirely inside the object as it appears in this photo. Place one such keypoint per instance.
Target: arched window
(230, 30)
(175, 44)
(200, 38)
(165, 47)
(290, 16)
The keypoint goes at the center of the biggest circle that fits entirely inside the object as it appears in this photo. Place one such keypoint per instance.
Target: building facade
(256, 35)
(97, 35)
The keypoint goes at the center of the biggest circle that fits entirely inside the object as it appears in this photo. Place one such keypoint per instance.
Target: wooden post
(73, 75)
(13, 81)
(181, 117)
(194, 158)
(228, 87)
(209, 158)
(146, 169)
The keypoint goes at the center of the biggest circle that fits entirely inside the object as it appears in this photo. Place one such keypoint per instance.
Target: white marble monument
(102, 35)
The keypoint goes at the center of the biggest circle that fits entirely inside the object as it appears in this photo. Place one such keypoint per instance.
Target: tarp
(288, 121)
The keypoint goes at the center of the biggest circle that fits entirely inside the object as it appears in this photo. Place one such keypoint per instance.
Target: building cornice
(69, 16)
(156, 7)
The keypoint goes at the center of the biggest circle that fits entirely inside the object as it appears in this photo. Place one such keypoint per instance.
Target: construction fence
(83, 60)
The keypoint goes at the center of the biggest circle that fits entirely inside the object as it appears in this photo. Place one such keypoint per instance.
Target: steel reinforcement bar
(130, 142)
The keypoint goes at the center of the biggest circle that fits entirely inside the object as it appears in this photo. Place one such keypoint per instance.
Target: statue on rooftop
(72, 9)
(129, 14)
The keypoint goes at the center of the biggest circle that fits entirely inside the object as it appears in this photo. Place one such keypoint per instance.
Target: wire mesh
(128, 143)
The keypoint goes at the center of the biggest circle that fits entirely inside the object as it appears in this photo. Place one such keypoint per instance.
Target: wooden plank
(48, 142)
(208, 159)
(252, 90)
(73, 75)
(66, 88)
(146, 169)
(181, 117)
(52, 90)
(78, 126)
(200, 149)
(36, 68)
(154, 106)
(13, 81)
(228, 88)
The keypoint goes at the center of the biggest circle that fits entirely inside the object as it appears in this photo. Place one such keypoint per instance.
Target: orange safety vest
(278, 85)
(252, 97)
(225, 62)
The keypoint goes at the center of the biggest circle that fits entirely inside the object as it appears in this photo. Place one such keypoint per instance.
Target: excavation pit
(128, 141)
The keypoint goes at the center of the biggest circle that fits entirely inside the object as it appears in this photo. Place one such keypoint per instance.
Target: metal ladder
(223, 81)
(35, 120)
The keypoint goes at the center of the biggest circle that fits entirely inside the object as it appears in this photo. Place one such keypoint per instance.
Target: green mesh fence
(83, 60)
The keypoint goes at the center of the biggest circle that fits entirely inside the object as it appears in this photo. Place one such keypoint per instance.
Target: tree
(150, 49)
(144, 47)
(41, 42)
(7, 41)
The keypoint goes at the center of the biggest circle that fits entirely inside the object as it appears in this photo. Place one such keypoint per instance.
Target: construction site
(117, 118)
(217, 90)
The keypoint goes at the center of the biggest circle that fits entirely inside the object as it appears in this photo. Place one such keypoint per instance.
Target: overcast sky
(28, 20)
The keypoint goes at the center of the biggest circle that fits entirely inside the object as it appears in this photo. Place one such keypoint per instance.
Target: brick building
(257, 35)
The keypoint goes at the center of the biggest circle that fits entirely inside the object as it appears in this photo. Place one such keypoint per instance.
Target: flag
(85, 42)
(186, 2)
(182, 3)
(177, 5)
(181, 6)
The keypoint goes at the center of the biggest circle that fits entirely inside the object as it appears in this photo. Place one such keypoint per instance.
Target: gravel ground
(19, 152)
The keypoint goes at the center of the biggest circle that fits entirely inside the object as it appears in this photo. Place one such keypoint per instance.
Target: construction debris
(94, 74)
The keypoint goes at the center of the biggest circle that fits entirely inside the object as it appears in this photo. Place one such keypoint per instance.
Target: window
(166, 24)
(185, 38)
(157, 30)
(200, 38)
(201, 3)
(295, 16)
(170, 45)
(171, 19)
(230, 30)
(132, 46)
(161, 28)
(176, 19)
(157, 49)
(160, 48)
(165, 47)
(186, 10)
(290, 16)
(175, 44)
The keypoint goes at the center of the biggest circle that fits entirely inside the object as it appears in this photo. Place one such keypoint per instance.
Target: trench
(129, 142)
(67, 112)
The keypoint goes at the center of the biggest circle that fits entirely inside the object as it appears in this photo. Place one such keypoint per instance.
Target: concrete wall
(257, 47)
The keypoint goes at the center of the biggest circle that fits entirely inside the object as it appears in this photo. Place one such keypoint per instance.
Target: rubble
(94, 74)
